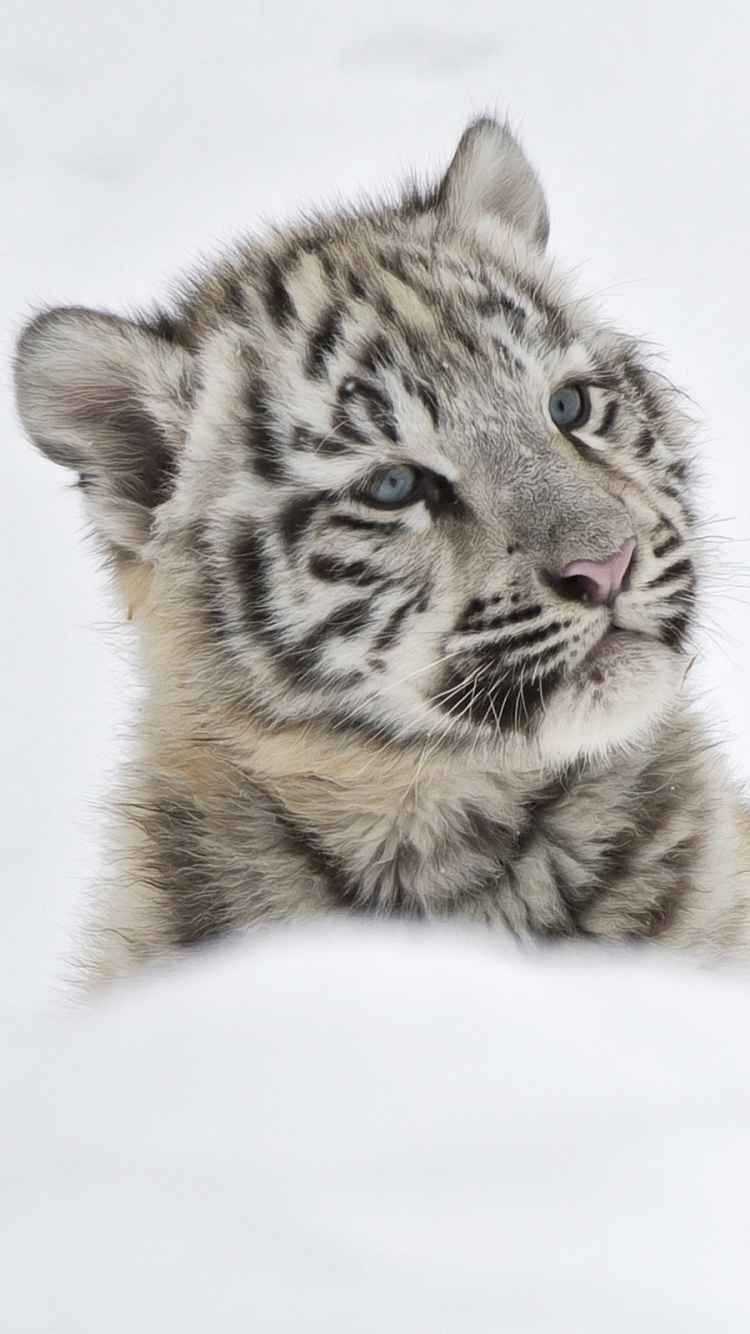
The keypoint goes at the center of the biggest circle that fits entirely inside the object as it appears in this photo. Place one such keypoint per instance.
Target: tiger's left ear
(108, 398)
(490, 179)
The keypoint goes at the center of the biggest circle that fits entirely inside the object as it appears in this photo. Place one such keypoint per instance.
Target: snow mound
(371, 1128)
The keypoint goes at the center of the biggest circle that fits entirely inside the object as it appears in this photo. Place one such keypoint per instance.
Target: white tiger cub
(407, 537)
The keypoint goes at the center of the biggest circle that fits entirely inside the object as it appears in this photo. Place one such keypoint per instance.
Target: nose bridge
(560, 512)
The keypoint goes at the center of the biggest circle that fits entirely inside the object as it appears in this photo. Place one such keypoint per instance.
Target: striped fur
(360, 706)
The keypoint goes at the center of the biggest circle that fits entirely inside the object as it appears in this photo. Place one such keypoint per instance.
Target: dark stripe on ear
(266, 449)
(136, 464)
(279, 303)
(323, 343)
(144, 466)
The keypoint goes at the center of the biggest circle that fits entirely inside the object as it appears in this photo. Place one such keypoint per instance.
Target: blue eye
(391, 487)
(570, 406)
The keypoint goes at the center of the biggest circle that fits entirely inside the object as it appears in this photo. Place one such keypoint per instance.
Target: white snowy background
(351, 1130)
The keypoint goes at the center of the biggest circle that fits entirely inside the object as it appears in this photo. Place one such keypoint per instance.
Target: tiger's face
(399, 480)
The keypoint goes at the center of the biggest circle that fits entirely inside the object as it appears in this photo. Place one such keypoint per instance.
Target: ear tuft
(108, 398)
(490, 178)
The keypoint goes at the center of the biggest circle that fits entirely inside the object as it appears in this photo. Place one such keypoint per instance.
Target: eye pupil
(568, 406)
(391, 486)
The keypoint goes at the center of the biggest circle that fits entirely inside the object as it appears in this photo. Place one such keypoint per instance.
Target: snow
(384, 1129)
(358, 1129)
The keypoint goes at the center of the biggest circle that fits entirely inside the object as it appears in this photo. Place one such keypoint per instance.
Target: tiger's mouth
(607, 653)
(620, 648)
(484, 689)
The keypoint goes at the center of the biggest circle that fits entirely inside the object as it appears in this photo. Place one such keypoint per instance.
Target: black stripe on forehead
(356, 285)
(376, 355)
(428, 398)
(641, 381)
(323, 342)
(376, 402)
(263, 433)
(515, 315)
(552, 313)
(395, 264)
(278, 301)
(319, 246)
(457, 330)
(234, 301)
(310, 442)
(424, 392)
(513, 367)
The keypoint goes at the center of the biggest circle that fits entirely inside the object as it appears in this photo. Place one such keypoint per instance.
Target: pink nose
(600, 580)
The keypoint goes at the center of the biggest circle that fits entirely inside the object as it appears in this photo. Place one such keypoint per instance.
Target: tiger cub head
(383, 472)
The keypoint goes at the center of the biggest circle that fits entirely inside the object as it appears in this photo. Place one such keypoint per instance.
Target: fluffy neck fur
(225, 822)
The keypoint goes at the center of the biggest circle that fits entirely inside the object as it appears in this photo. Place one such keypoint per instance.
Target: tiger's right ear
(490, 180)
(110, 399)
